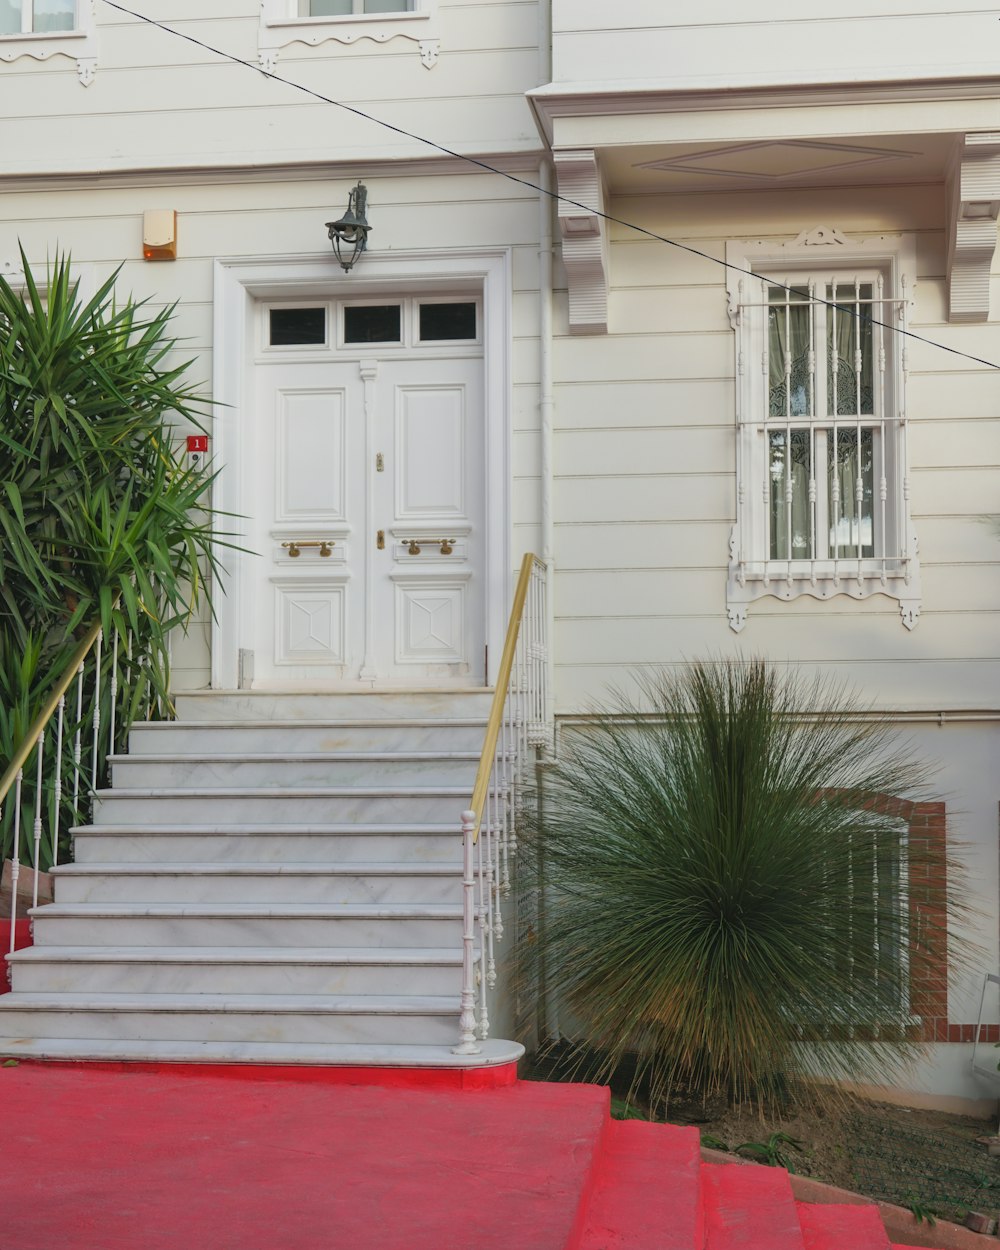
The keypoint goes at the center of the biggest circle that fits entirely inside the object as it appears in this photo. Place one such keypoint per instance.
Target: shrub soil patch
(928, 1161)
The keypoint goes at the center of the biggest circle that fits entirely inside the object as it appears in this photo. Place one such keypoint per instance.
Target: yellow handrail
(500, 692)
(45, 715)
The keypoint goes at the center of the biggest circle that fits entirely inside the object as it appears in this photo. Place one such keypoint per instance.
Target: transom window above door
(377, 324)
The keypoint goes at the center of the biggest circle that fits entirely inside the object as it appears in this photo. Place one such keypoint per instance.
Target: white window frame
(280, 26)
(826, 255)
(80, 44)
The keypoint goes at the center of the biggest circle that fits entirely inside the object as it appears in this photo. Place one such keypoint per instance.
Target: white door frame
(239, 283)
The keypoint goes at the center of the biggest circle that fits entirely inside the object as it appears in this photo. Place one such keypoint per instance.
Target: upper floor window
(822, 486)
(36, 17)
(41, 29)
(350, 8)
(316, 22)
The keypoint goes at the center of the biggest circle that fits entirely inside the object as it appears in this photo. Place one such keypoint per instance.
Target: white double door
(367, 522)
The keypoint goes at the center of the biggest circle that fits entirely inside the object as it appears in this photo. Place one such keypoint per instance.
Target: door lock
(380, 540)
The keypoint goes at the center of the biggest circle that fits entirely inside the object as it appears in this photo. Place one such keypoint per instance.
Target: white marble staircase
(271, 878)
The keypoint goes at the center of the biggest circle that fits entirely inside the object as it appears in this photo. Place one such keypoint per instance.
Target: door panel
(310, 459)
(344, 450)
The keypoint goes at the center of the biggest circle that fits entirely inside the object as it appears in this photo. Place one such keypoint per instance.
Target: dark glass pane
(372, 323)
(447, 321)
(295, 326)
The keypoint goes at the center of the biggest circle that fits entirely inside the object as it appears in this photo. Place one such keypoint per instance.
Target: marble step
(278, 805)
(227, 969)
(385, 734)
(276, 705)
(364, 1019)
(313, 769)
(267, 843)
(258, 883)
(241, 924)
(275, 1054)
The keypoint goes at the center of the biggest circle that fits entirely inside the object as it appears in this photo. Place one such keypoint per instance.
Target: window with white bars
(822, 489)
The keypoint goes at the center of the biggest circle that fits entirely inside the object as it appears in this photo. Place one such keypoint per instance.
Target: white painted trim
(279, 27)
(558, 102)
(239, 281)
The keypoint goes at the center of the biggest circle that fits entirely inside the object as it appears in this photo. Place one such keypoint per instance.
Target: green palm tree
(99, 515)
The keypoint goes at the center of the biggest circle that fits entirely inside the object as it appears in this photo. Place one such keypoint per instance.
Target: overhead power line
(610, 218)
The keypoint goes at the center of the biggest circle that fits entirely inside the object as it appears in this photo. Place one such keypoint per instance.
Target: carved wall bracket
(584, 239)
(973, 206)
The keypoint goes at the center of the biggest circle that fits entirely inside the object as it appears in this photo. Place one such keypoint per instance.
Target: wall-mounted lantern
(349, 235)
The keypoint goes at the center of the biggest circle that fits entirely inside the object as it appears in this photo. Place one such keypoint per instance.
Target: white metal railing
(64, 752)
(517, 726)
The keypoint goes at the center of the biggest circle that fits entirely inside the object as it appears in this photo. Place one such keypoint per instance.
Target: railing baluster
(57, 784)
(114, 692)
(15, 857)
(37, 829)
(484, 1018)
(467, 1044)
(97, 710)
(78, 743)
(496, 835)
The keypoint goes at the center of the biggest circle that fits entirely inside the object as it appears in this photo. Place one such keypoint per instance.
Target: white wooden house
(594, 377)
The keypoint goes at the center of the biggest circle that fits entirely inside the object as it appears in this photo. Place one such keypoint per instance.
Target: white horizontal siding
(775, 43)
(645, 468)
(159, 100)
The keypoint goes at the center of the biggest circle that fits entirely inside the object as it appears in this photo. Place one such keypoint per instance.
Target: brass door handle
(447, 545)
(325, 546)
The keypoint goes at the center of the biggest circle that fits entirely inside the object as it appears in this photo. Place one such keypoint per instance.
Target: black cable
(532, 186)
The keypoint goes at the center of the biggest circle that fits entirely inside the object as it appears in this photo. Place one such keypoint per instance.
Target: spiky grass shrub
(99, 515)
(727, 885)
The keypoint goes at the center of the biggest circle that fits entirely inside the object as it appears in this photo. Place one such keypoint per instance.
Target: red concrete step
(646, 1190)
(841, 1226)
(750, 1208)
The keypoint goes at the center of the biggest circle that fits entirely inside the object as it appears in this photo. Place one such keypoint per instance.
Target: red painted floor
(120, 1157)
(152, 1160)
